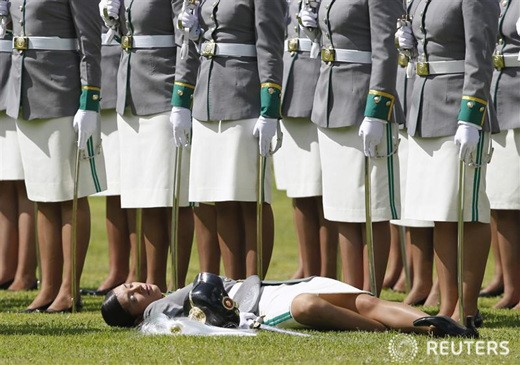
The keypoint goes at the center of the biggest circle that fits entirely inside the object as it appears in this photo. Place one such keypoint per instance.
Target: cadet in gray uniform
(236, 97)
(17, 244)
(144, 90)
(120, 223)
(452, 84)
(297, 163)
(357, 87)
(53, 91)
(503, 176)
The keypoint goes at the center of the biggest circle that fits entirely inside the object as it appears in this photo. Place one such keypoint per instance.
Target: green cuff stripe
(472, 110)
(379, 105)
(89, 99)
(182, 95)
(270, 98)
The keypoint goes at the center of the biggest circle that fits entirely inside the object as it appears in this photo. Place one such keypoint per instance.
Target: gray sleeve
(88, 30)
(171, 305)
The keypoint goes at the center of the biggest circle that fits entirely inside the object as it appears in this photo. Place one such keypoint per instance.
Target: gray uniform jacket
(505, 87)
(145, 77)
(453, 30)
(110, 56)
(228, 88)
(5, 65)
(343, 88)
(47, 83)
(300, 73)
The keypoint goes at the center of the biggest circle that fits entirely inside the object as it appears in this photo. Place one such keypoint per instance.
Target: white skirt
(403, 166)
(297, 165)
(432, 181)
(503, 175)
(48, 149)
(111, 151)
(10, 159)
(148, 161)
(276, 300)
(343, 162)
(224, 162)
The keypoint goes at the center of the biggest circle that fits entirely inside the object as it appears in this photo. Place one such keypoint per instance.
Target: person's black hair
(114, 314)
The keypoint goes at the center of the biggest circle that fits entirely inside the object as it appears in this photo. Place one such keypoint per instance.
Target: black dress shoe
(6, 284)
(41, 308)
(98, 292)
(79, 307)
(477, 320)
(489, 294)
(446, 326)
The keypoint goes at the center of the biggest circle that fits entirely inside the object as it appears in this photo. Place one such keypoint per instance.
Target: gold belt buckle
(293, 45)
(127, 42)
(423, 69)
(21, 43)
(208, 49)
(328, 55)
(498, 61)
(403, 60)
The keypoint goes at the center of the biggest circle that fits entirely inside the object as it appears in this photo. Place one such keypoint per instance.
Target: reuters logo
(402, 348)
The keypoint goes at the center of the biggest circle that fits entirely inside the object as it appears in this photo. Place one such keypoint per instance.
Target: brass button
(95, 97)
(388, 103)
(482, 109)
(470, 104)
(180, 92)
(377, 99)
(270, 91)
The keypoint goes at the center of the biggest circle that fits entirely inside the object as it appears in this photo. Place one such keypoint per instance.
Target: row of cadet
(213, 79)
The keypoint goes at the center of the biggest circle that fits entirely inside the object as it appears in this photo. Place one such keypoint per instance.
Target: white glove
(180, 118)
(405, 37)
(247, 319)
(112, 7)
(86, 123)
(467, 138)
(4, 14)
(308, 18)
(188, 20)
(265, 129)
(371, 130)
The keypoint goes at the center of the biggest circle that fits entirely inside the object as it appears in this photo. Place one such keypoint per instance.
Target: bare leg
(434, 296)
(205, 216)
(249, 217)
(395, 263)
(8, 231)
(51, 254)
(381, 233)
(230, 237)
(422, 256)
(328, 243)
(351, 245)
(298, 274)
(354, 312)
(508, 227)
(63, 299)
(476, 248)
(185, 241)
(306, 220)
(496, 285)
(118, 243)
(25, 277)
(132, 234)
(155, 231)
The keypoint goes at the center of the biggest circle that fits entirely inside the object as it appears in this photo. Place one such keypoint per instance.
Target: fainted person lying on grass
(316, 302)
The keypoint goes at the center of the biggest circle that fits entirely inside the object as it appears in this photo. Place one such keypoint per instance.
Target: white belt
(345, 55)
(212, 49)
(297, 45)
(511, 60)
(6, 46)
(104, 38)
(440, 67)
(45, 43)
(148, 41)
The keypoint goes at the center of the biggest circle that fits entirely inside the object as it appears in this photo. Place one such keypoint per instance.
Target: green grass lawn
(84, 338)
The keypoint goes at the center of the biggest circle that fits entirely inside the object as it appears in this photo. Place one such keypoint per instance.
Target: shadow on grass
(45, 330)
(501, 319)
